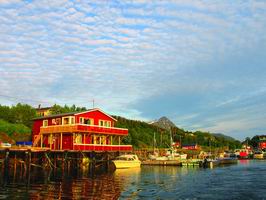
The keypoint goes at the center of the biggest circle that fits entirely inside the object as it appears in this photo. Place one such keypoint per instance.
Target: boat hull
(258, 156)
(120, 164)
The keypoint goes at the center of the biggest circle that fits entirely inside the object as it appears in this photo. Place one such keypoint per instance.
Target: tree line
(142, 134)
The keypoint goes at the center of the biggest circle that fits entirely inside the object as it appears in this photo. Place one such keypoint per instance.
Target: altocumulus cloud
(200, 63)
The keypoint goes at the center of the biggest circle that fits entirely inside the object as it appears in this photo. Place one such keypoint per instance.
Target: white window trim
(81, 120)
(69, 120)
(43, 123)
(105, 122)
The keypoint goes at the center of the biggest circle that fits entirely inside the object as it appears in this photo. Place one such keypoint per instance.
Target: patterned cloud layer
(202, 63)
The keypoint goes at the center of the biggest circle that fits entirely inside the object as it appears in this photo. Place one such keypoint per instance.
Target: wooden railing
(95, 147)
(83, 128)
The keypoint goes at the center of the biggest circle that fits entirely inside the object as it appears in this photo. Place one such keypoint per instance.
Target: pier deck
(162, 162)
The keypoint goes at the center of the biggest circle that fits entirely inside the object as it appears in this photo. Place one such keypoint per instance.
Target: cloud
(198, 57)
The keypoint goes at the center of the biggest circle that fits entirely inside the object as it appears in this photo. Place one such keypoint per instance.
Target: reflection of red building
(262, 142)
(91, 130)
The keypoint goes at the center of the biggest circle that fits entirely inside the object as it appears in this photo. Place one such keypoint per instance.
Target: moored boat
(227, 160)
(126, 161)
(258, 155)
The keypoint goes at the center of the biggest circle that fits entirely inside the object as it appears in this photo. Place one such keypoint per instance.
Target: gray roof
(55, 115)
(71, 113)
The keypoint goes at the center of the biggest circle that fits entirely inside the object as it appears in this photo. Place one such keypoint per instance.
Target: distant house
(190, 146)
(262, 142)
(43, 111)
(91, 130)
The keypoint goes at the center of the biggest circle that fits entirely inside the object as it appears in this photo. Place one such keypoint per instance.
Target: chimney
(39, 106)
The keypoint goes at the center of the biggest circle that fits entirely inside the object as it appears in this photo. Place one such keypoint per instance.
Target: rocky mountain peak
(164, 123)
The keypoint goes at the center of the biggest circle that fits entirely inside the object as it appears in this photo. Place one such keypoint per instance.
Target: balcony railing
(72, 128)
(95, 147)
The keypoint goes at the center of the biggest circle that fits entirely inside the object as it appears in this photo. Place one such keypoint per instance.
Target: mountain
(164, 123)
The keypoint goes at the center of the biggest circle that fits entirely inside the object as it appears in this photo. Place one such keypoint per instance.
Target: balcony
(95, 147)
(83, 128)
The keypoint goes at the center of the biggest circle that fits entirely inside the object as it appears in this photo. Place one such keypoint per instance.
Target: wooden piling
(6, 165)
(28, 164)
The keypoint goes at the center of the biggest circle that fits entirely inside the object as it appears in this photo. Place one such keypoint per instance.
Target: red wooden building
(91, 130)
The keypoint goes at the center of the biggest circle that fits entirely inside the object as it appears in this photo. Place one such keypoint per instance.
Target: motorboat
(258, 155)
(127, 161)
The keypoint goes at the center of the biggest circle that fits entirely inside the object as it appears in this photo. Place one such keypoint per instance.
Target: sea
(245, 180)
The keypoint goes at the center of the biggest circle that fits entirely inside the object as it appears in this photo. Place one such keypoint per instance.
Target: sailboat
(171, 153)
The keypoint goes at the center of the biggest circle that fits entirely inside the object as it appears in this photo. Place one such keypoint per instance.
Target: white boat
(126, 161)
(258, 155)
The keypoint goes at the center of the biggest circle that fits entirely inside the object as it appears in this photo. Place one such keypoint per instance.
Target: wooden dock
(162, 162)
(25, 159)
(192, 162)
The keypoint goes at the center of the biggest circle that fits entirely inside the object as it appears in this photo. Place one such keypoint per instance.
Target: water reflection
(244, 162)
(148, 182)
(57, 185)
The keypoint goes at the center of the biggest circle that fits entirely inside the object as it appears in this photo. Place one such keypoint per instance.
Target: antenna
(92, 103)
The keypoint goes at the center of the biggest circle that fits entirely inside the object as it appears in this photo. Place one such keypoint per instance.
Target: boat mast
(153, 143)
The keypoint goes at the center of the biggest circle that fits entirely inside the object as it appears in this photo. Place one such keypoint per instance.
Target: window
(105, 123)
(45, 123)
(65, 120)
(89, 121)
(81, 120)
(58, 121)
(78, 139)
(100, 122)
(72, 120)
(68, 120)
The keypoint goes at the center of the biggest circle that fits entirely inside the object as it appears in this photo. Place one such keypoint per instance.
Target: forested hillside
(16, 122)
(141, 134)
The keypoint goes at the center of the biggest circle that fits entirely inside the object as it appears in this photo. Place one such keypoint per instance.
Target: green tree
(23, 114)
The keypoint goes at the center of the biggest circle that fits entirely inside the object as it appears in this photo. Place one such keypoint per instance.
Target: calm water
(247, 180)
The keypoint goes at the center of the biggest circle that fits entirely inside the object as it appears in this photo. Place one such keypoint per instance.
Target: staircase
(36, 140)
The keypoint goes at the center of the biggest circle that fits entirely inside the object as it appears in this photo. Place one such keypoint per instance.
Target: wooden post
(111, 140)
(15, 166)
(41, 139)
(55, 160)
(73, 141)
(28, 154)
(107, 161)
(51, 141)
(6, 166)
(61, 141)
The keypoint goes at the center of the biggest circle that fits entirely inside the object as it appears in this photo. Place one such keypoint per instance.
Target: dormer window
(45, 123)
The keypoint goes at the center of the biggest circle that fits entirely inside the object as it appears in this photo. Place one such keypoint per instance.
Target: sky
(200, 63)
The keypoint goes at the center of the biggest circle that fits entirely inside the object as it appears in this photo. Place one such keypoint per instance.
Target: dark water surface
(246, 180)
